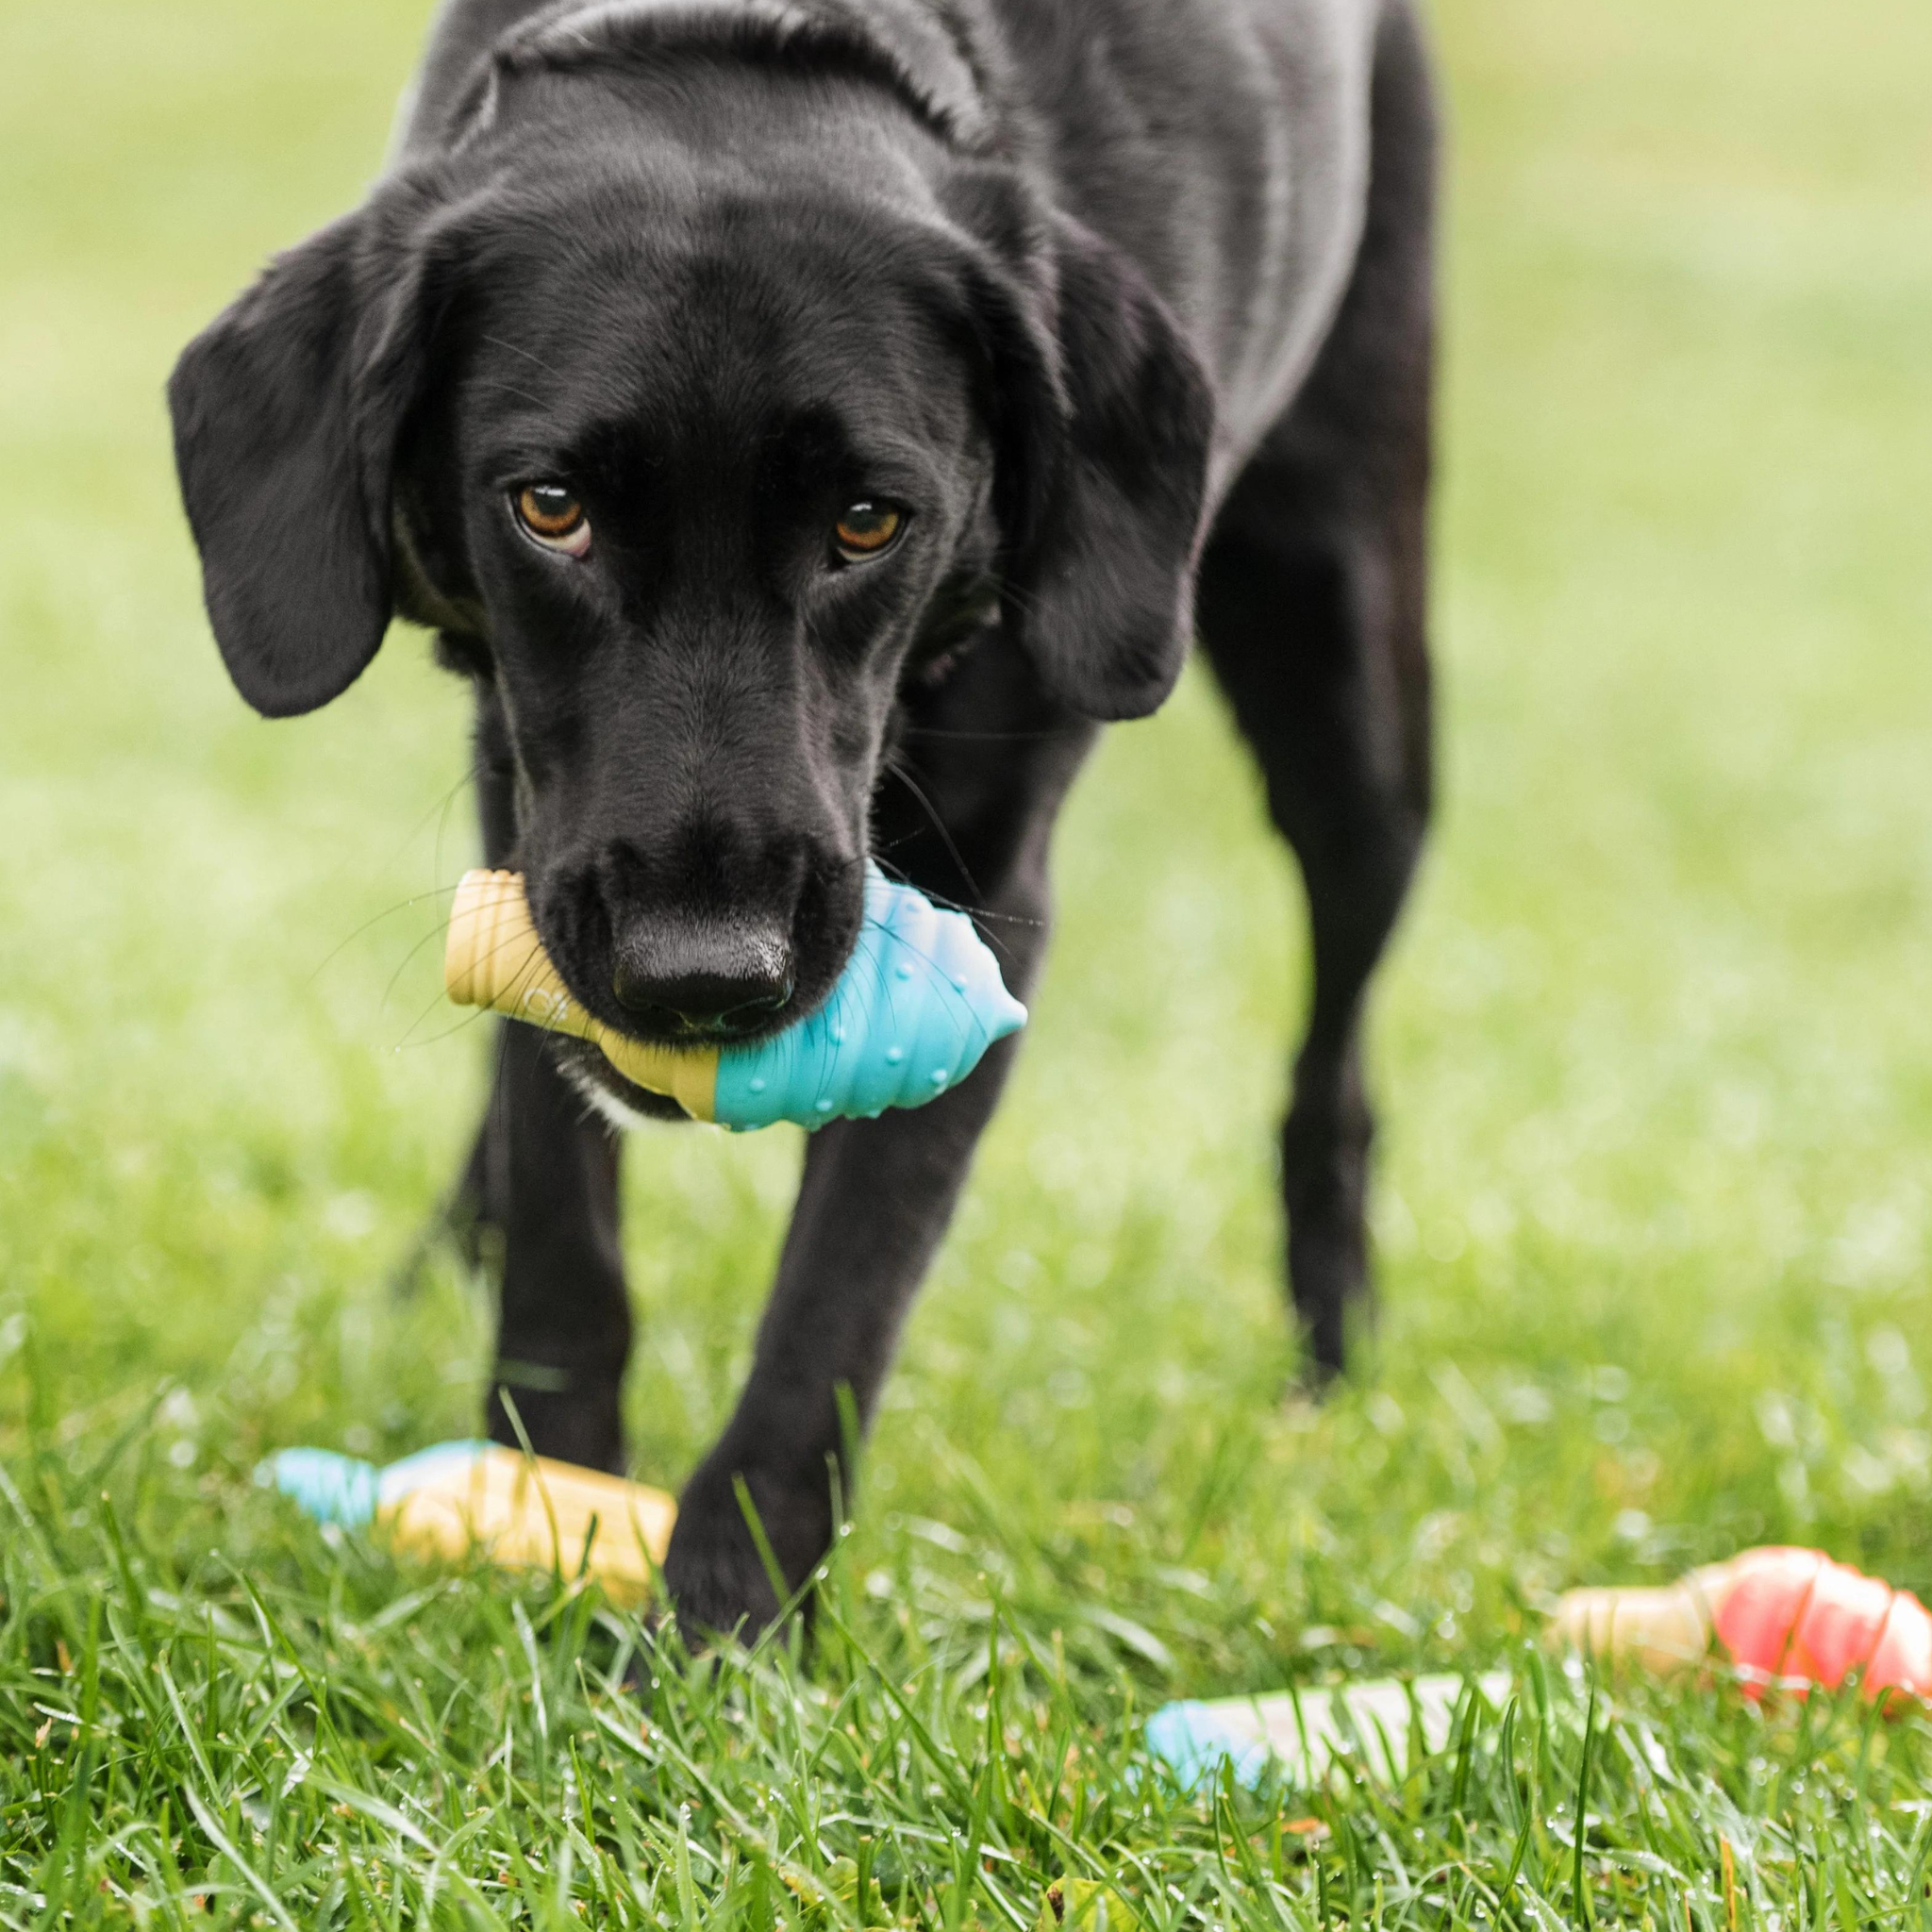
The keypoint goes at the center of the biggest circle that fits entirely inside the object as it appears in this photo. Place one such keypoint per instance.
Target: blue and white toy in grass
(913, 1013)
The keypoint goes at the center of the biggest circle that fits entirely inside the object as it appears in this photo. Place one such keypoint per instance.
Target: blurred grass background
(1655, 1053)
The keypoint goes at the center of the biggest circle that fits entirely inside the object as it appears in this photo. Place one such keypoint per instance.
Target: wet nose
(701, 975)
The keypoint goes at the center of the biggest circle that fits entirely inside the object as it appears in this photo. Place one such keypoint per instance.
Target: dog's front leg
(548, 1174)
(965, 808)
(873, 1205)
(541, 1188)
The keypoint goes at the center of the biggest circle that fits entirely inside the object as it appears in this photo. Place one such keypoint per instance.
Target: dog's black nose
(700, 976)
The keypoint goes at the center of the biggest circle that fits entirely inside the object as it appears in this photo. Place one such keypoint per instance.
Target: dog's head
(691, 391)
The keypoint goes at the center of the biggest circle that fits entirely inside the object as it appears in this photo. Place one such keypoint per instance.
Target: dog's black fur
(1128, 302)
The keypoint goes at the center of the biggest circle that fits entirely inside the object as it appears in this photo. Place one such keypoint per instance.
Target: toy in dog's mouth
(915, 1009)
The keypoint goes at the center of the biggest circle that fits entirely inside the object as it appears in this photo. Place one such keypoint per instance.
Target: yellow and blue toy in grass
(519, 1511)
(918, 1004)
(913, 1013)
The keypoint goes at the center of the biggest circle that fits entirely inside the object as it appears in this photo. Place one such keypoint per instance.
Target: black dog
(804, 421)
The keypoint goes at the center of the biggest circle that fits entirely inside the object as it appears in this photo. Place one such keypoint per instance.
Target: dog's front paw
(719, 1582)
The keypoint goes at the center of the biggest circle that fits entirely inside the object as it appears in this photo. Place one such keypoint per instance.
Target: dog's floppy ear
(286, 413)
(1104, 418)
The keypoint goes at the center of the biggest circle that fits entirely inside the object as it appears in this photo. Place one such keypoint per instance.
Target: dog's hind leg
(1311, 606)
(538, 1198)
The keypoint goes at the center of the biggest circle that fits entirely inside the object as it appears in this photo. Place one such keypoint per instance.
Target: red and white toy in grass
(1782, 1617)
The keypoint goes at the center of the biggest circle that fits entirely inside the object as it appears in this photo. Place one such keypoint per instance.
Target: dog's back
(1222, 144)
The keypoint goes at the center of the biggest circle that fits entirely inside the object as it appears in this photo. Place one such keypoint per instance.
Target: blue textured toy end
(919, 1003)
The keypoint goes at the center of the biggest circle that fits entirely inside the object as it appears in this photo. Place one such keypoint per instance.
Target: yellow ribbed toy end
(529, 1513)
(493, 958)
(691, 1078)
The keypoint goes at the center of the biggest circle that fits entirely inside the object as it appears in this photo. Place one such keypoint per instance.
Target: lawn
(1655, 1052)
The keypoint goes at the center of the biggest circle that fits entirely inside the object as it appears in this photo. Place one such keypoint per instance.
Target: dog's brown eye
(554, 517)
(865, 530)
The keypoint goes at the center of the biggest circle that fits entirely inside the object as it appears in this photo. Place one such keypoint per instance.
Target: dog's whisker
(435, 932)
(370, 924)
(529, 971)
(467, 777)
(440, 806)
(940, 899)
(449, 797)
(939, 824)
(408, 1044)
(970, 912)
(531, 967)
(899, 939)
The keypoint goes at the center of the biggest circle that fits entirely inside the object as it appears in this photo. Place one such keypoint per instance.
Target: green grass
(1655, 1055)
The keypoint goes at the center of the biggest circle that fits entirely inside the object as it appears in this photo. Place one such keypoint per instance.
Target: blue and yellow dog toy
(918, 1004)
(521, 1512)
(912, 1015)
